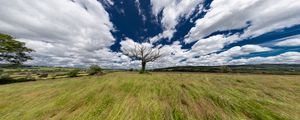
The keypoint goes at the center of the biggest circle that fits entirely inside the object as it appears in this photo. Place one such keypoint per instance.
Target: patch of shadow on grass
(184, 102)
(11, 81)
(76, 106)
(189, 89)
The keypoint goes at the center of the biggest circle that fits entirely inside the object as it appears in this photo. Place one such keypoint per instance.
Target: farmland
(159, 95)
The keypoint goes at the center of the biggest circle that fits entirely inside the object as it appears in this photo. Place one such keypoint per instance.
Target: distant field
(157, 96)
(35, 74)
(276, 69)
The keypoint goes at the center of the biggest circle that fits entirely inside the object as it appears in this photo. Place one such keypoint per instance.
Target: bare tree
(143, 53)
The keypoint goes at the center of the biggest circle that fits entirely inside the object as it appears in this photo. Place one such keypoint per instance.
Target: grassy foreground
(170, 96)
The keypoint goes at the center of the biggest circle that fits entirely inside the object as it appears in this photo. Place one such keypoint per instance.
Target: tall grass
(157, 96)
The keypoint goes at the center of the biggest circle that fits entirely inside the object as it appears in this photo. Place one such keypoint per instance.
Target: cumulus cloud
(78, 32)
(212, 44)
(62, 32)
(227, 15)
(223, 58)
(128, 44)
(172, 12)
(175, 56)
(264, 16)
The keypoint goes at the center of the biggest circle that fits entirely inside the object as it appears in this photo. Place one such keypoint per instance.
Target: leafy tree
(73, 73)
(94, 69)
(1, 71)
(13, 51)
(225, 69)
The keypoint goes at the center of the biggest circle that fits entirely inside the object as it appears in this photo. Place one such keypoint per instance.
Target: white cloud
(128, 44)
(289, 42)
(265, 16)
(226, 56)
(172, 12)
(212, 44)
(66, 33)
(108, 2)
(62, 32)
(175, 56)
(165, 34)
(288, 57)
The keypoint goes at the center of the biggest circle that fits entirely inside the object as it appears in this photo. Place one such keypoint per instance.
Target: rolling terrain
(156, 96)
(292, 69)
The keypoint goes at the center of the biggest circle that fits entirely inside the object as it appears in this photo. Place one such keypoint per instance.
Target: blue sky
(188, 32)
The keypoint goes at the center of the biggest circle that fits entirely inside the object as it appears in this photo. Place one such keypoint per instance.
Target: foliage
(94, 69)
(5, 77)
(282, 69)
(13, 51)
(225, 69)
(27, 78)
(73, 73)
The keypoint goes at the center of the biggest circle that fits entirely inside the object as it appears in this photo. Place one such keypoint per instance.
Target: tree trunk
(143, 67)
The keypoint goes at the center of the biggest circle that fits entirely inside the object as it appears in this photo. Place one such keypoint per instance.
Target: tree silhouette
(13, 51)
(143, 53)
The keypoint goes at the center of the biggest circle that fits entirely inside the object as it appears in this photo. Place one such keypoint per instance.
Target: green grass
(34, 74)
(156, 96)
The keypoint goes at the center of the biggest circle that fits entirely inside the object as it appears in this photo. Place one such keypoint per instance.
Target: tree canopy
(13, 51)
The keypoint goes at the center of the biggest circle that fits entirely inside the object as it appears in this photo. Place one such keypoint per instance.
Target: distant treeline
(291, 69)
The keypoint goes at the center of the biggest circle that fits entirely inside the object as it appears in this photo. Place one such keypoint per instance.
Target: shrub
(73, 73)
(94, 69)
(5, 77)
(27, 78)
(225, 69)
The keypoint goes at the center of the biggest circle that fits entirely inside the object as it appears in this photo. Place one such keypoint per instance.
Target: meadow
(23, 74)
(155, 96)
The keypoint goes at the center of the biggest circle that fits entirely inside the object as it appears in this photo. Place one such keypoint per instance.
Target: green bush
(73, 73)
(26, 78)
(94, 69)
(225, 69)
(5, 77)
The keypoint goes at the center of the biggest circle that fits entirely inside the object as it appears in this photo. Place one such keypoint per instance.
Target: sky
(79, 33)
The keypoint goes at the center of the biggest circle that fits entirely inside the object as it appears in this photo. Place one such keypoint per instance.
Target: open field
(275, 69)
(35, 73)
(170, 96)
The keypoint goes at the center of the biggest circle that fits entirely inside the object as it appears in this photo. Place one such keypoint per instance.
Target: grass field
(157, 96)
